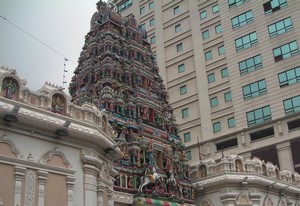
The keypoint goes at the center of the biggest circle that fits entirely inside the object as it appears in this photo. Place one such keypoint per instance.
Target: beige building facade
(232, 70)
(52, 152)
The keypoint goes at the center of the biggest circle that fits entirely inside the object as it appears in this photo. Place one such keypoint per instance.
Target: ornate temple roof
(118, 73)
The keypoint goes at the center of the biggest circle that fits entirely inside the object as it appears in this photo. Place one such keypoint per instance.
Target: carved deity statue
(57, 105)
(10, 88)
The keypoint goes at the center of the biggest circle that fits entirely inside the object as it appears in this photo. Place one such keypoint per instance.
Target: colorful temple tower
(118, 73)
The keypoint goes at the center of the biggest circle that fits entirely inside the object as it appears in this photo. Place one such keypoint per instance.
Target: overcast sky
(61, 24)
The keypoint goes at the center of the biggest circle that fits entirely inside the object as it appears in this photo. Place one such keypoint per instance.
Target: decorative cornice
(251, 178)
(50, 121)
(123, 197)
(90, 157)
(36, 166)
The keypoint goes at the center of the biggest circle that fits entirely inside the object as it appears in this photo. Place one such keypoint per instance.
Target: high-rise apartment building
(232, 72)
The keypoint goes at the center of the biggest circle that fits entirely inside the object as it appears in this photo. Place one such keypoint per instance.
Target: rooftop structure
(235, 180)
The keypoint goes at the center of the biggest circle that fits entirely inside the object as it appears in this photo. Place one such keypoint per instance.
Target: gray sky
(61, 24)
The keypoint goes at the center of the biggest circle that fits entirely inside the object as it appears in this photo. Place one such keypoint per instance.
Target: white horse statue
(171, 182)
(148, 178)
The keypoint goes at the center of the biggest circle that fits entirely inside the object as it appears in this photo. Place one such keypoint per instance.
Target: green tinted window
(246, 41)
(258, 116)
(231, 122)
(285, 51)
(254, 89)
(214, 102)
(217, 127)
(292, 105)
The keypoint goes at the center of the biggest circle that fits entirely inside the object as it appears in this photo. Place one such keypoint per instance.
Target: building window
(188, 155)
(254, 89)
(177, 28)
(231, 122)
(203, 14)
(227, 144)
(139, 56)
(181, 68)
(143, 26)
(274, 5)
(262, 133)
(151, 5)
(211, 78)
(242, 19)
(179, 47)
(217, 127)
(289, 77)
(221, 50)
(250, 65)
(205, 34)
(258, 116)
(285, 51)
(176, 10)
(125, 5)
(185, 113)
(215, 9)
(280, 27)
(152, 40)
(142, 10)
(183, 90)
(227, 97)
(218, 28)
(152, 22)
(208, 55)
(214, 102)
(224, 72)
(292, 105)
(187, 137)
(234, 3)
(246, 41)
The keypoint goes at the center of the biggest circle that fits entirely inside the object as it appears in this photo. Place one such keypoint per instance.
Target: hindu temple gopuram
(117, 72)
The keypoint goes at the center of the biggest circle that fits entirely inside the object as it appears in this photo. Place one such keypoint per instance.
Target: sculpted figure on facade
(9, 88)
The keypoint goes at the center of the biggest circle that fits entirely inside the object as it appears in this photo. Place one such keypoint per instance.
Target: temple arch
(60, 158)
(13, 149)
(268, 202)
(281, 203)
(207, 202)
(243, 199)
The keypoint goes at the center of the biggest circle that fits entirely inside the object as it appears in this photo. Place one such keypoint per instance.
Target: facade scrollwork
(14, 149)
(56, 151)
(30, 188)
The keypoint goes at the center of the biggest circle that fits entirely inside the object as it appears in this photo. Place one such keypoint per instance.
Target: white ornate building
(235, 181)
(52, 152)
